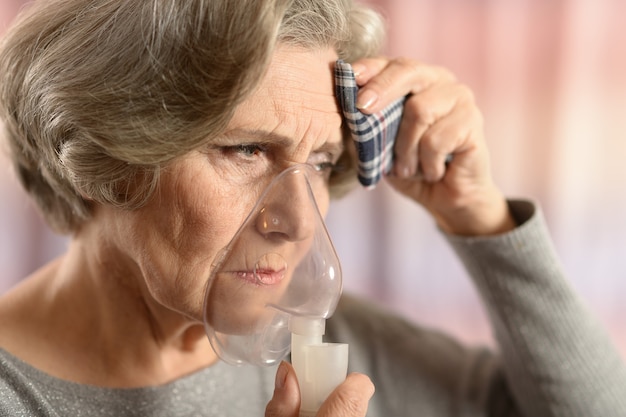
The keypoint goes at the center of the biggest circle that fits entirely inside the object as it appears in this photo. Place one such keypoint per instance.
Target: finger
(286, 399)
(350, 399)
(365, 68)
(421, 111)
(455, 133)
(382, 84)
(412, 128)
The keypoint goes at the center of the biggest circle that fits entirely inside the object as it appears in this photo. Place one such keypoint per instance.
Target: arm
(557, 361)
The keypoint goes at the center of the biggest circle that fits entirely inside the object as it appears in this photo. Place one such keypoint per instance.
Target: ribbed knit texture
(559, 358)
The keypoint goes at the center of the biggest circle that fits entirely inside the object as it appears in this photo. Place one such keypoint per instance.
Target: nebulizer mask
(275, 284)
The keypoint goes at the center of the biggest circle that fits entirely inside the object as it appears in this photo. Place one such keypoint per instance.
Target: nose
(288, 210)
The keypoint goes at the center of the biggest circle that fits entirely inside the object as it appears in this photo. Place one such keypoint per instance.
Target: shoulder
(413, 368)
(15, 317)
(25, 317)
(19, 394)
(382, 330)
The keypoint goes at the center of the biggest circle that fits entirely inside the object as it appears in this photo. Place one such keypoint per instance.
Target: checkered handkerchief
(373, 134)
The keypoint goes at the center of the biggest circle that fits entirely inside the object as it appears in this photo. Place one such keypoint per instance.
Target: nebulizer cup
(274, 285)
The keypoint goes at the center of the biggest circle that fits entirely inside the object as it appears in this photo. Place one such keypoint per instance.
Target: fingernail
(366, 100)
(281, 375)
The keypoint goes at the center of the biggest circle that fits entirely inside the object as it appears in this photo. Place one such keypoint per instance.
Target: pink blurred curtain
(550, 78)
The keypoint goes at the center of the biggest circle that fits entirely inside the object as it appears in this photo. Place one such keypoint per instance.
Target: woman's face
(203, 198)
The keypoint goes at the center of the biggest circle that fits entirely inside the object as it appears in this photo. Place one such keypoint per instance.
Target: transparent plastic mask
(280, 263)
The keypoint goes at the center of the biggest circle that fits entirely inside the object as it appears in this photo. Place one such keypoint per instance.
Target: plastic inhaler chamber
(319, 366)
(275, 284)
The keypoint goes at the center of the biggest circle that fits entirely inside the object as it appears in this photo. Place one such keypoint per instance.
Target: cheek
(324, 204)
(198, 216)
(175, 244)
(322, 200)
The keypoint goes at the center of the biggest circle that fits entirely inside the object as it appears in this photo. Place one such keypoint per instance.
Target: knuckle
(405, 62)
(348, 404)
(445, 74)
(428, 145)
(472, 116)
(270, 411)
(465, 93)
(418, 110)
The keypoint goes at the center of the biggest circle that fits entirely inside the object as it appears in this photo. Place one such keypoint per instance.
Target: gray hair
(97, 96)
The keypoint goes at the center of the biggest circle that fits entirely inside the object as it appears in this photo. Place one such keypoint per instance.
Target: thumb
(350, 399)
(286, 399)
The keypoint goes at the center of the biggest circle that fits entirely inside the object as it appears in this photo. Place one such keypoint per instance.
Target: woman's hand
(440, 119)
(349, 399)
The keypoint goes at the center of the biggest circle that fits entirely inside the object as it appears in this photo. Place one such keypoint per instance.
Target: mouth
(262, 276)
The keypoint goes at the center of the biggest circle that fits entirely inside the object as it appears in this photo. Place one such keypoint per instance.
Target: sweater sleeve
(557, 358)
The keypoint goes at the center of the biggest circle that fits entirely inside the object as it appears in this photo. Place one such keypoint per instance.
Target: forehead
(295, 99)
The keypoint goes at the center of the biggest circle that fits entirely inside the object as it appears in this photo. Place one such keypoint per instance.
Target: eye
(323, 163)
(324, 166)
(245, 152)
(248, 149)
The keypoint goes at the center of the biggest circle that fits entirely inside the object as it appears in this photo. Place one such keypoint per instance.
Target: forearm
(557, 358)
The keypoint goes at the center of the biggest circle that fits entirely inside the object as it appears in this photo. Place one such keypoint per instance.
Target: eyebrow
(333, 148)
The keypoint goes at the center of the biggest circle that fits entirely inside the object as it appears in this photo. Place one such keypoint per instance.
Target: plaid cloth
(373, 134)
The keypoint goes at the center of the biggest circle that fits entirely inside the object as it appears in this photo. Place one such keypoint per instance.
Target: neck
(122, 336)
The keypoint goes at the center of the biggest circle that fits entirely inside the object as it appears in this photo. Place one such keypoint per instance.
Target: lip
(263, 277)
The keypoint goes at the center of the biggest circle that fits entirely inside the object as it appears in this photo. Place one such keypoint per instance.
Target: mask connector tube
(320, 367)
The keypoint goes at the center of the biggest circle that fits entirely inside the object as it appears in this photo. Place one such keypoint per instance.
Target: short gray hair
(97, 96)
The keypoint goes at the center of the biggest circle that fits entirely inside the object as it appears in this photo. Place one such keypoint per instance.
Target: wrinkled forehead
(295, 99)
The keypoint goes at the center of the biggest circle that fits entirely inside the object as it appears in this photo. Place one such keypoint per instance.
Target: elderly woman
(148, 129)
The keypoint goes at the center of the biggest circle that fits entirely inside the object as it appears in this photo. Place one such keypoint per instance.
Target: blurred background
(550, 78)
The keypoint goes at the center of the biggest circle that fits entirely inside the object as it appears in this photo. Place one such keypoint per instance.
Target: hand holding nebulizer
(275, 284)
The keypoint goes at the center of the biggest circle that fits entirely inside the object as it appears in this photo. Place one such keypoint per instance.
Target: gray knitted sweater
(553, 359)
